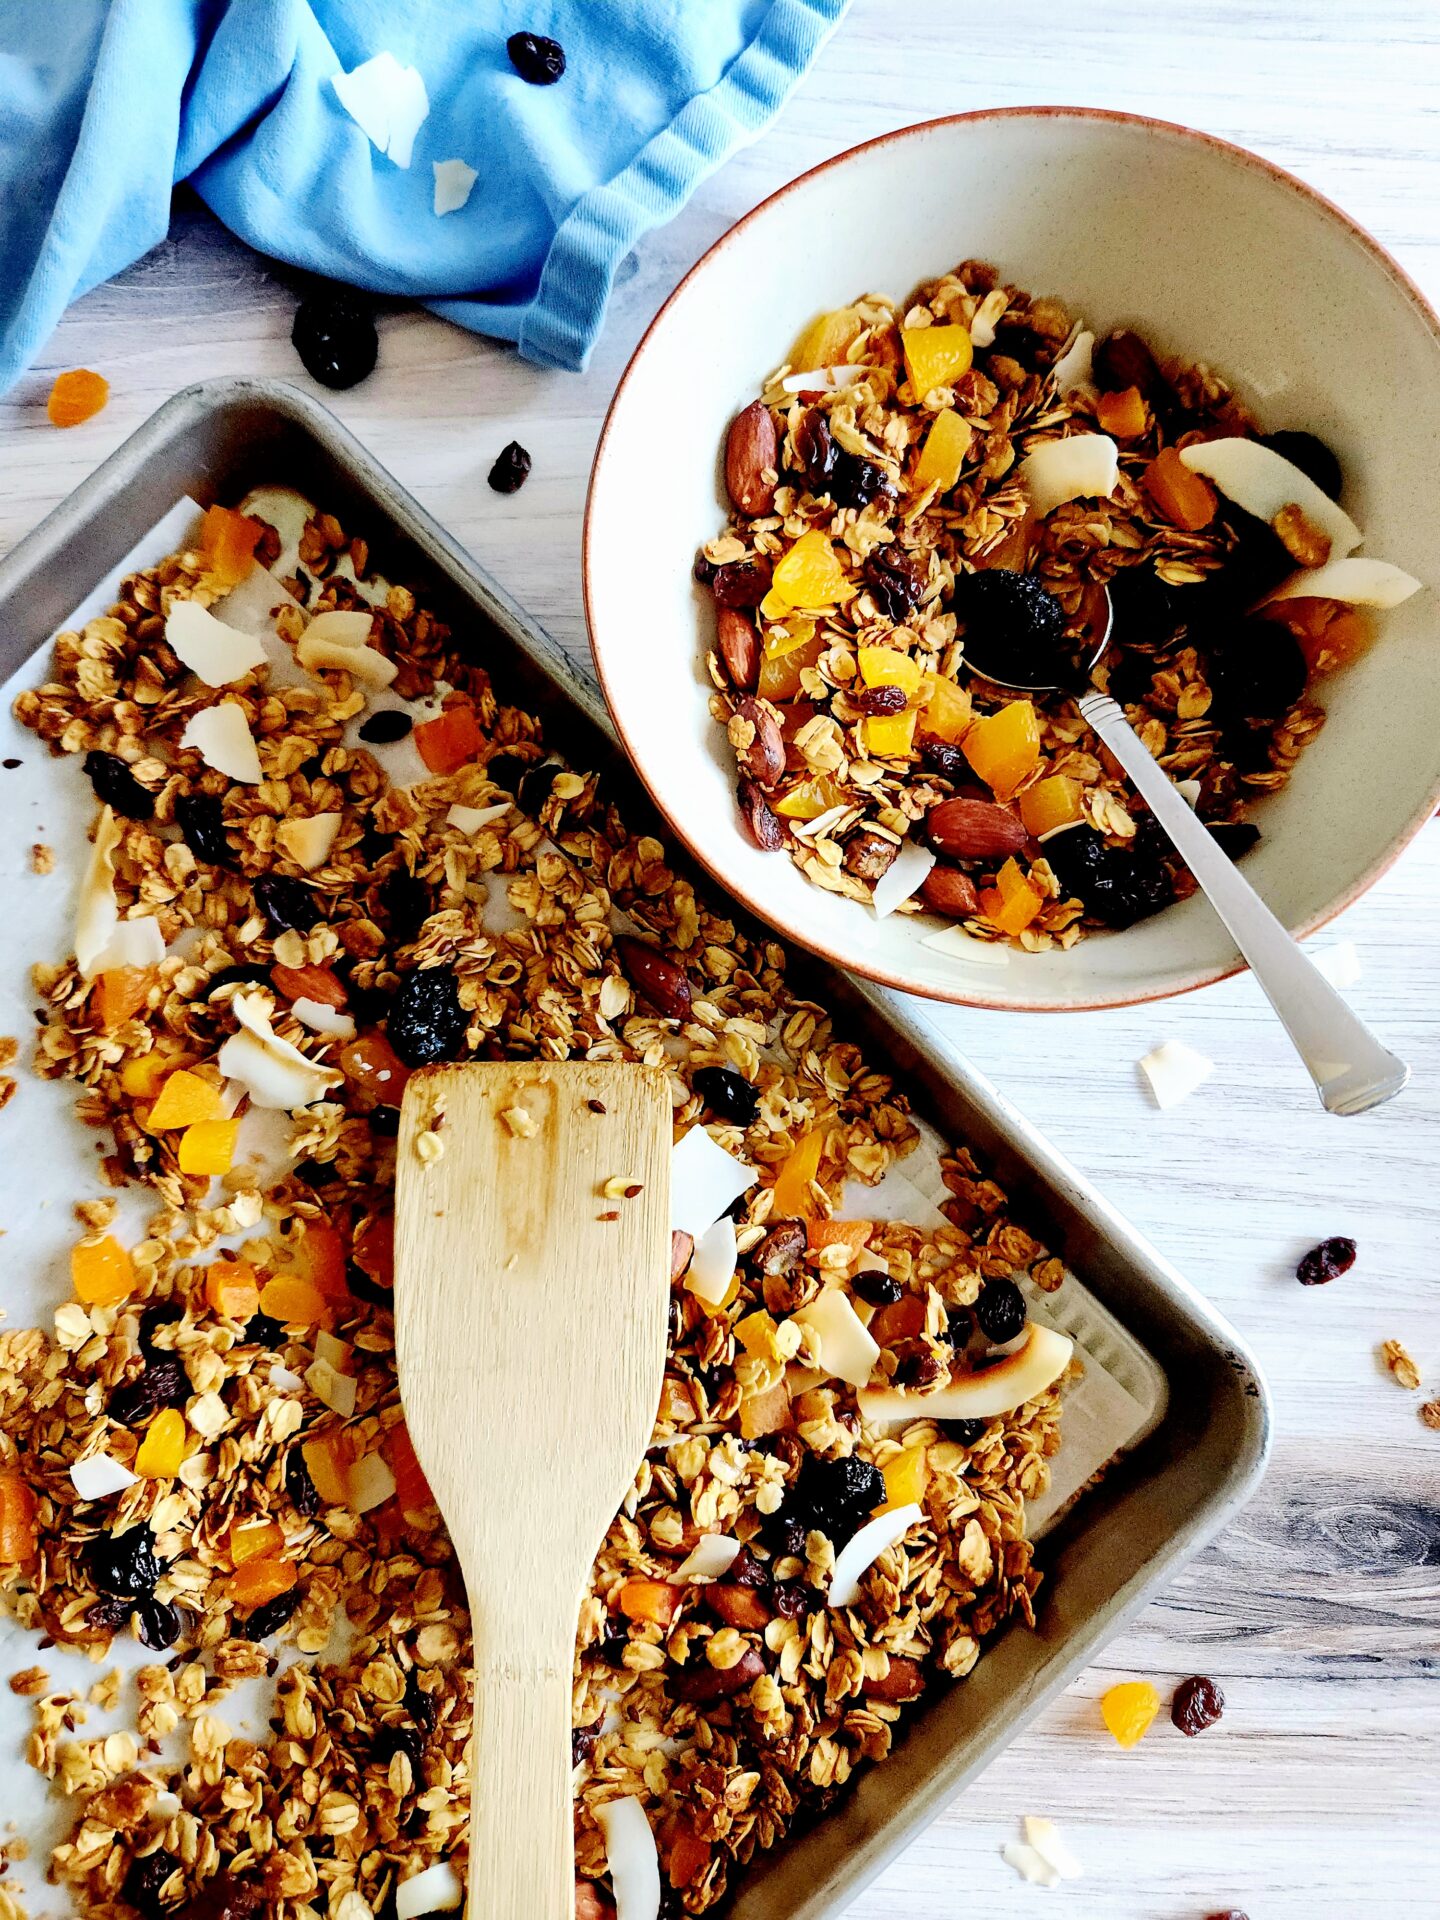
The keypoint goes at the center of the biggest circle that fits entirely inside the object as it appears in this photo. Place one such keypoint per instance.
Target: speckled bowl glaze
(1211, 253)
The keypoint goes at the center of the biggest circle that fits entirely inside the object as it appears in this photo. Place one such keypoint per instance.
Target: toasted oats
(1430, 1415)
(1393, 1353)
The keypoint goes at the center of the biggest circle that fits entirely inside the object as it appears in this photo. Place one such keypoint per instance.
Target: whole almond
(739, 646)
(751, 449)
(904, 1681)
(655, 975)
(765, 830)
(703, 1684)
(949, 891)
(758, 742)
(974, 829)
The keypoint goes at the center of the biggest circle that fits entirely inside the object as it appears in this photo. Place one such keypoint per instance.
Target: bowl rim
(963, 993)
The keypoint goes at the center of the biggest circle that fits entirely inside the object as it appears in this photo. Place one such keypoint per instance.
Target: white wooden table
(1318, 1797)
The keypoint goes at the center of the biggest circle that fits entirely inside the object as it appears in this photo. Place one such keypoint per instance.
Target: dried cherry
(201, 820)
(334, 335)
(426, 1021)
(164, 1383)
(1198, 1704)
(116, 786)
(727, 1093)
(124, 1565)
(270, 1617)
(287, 904)
(511, 469)
(144, 1877)
(1327, 1261)
(536, 59)
(385, 725)
(1000, 1311)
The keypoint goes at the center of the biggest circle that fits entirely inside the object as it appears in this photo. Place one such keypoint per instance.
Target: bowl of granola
(934, 453)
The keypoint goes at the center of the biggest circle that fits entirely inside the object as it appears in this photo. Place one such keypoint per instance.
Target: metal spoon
(1351, 1070)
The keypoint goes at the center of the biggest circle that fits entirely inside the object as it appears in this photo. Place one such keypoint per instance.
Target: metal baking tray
(1154, 1509)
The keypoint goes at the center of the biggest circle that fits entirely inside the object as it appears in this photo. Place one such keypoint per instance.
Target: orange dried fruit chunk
(808, 799)
(902, 1319)
(450, 740)
(947, 712)
(209, 1146)
(780, 674)
(76, 396)
(791, 1196)
(374, 1249)
(788, 634)
(676, 1405)
(228, 540)
(317, 1254)
(373, 1064)
(143, 1075)
(254, 1539)
(185, 1099)
(1330, 634)
(328, 1461)
(161, 1453)
(943, 453)
(1004, 747)
(689, 1857)
(906, 1477)
(825, 340)
(1186, 499)
(812, 573)
(102, 1271)
(1050, 803)
(888, 667)
(888, 736)
(232, 1289)
(1012, 903)
(295, 1302)
(309, 983)
(1128, 1709)
(412, 1489)
(17, 1518)
(120, 993)
(766, 1412)
(935, 357)
(649, 1600)
(260, 1580)
(837, 1233)
(1122, 414)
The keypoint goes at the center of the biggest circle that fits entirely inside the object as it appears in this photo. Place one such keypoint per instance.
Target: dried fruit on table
(295, 1302)
(791, 1196)
(653, 1600)
(1012, 903)
(334, 335)
(1186, 499)
(1128, 1709)
(1050, 803)
(185, 1100)
(538, 60)
(1198, 1704)
(261, 1580)
(811, 575)
(947, 713)
(208, 1147)
(935, 357)
(232, 1289)
(511, 469)
(412, 1489)
(253, 1539)
(309, 983)
(451, 740)
(1004, 747)
(120, 993)
(328, 1461)
(228, 541)
(17, 1518)
(161, 1454)
(1327, 1261)
(102, 1271)
(889, 736)
(943, 453)
(76, 396)
(372, 1063)
(906, 1478)
(1121, 414)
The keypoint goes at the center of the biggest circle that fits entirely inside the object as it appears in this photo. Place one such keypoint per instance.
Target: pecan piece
(869, 854)
(739, 646)
(781, 1247)
(975, 830)
(751, 459)
(758, 742)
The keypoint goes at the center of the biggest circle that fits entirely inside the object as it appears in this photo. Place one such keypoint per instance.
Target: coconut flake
(1263, 481)
(286, 1379)
(1188, 790)
(272, 1071)
(1358, 581)
(471, 819)
(863, 1549)
(839, 1339)
(960, 945)
(338, 642)
(98, 1475)
(331, 1388)
(453, 181)
(320, 1018)
(387, 102)
(822, 823)
(308, 841)
(1076, 365)
(214, 652)
(221, 736)
(1340, 964)
(631, 1857)
(981, 1395)
(904, 876)
(711, 1558)
(1175, 1071)
(334, 1351)
(704, 1181)
(370, 1484)
(97, 913)
(341, 627)
(1083, 466)
(408, 113)
(1028, 1864)
(1044, 1837)
(712, 1265)
(165, 1805)
(823, 379)
(438, 1889)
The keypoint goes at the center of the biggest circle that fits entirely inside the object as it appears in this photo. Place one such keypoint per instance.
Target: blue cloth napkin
(106, 104)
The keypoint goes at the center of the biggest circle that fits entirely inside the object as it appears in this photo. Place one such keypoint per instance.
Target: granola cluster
(846, 580)
(291, 1538)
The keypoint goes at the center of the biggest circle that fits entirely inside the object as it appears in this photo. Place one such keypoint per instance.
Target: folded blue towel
(105, 104)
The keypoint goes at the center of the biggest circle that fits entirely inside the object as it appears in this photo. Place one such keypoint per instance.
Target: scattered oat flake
(1393, 1353)
(1175, 1071)
(520, 1123)
(453, 181)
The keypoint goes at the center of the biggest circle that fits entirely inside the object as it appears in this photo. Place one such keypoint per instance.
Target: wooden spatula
(530, 1319)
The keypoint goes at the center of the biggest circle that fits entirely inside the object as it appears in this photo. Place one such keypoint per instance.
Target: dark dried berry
(742, 584)
(727, 1093)
(815, 449)
(269, 1619)
(1230, 1913)
(1111, 883)
(1256, 670)
(385, 725)
(389, 1741)
(164, 1383)
(1000, 1311)
(943, 757)
(785, 1535)
(144, 1877)
(1257, 561)
(334, 335)
(881, 1289)
(791, 1598)
(262, 1331)
(966, 1432)
(1198, 1704)
(612, 1649)
(422, 1707)
(511, 469)
(109, 1616)
(385, 1121)
(917, 1365)
(116, 786)
(959, 1325)
(855, 482)
(287, 904)
(1326, 1262)
(1146, 608)
(747, 1571)
(224, 1898)
(835, 1495)
(124, 1565)
(302, 1490)
(1308, 452)
(160, 1313)
(1123, 360)
(426, 1021)
(536, 59)
(1132, 677)
(506, 770)
(158, 1624)
(405, 904)
(536, 786)
(896, 581)
(1234, 837)
(1014, 626)
(583, 1741)
(881, 699)
(201, 819)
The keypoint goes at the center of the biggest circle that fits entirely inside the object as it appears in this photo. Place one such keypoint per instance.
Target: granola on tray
(207, 1451)
(925, 494)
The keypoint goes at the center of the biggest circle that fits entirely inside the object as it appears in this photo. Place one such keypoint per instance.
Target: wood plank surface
(1318, 1796)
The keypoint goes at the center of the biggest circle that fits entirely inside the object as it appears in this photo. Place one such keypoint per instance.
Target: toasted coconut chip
(98, 1475)
(221, 736)
(864, 1548)
(631, 1855)
(981, 1395)
(1075, 367)
(438, 1889)
(712, 1265)
(704, 1181)
(323, 1019)
(1263, 482)
(453, 181)
(711, 1558)
(308, 841)
(905, 876)
(1358, 581)
(838, 1338)
(331, 1388)
(1175, 1071)
(1082, 466)
(472, 819)
(823, 379)
(272, 1071)
(1029, 1864)
(97, 914)
(371, 1484)
(214, 652)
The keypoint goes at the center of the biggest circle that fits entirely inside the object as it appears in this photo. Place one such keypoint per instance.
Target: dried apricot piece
(450, 740)
(825, 340)
(808, 799)
(812, 574)
(295, 1302)
(120, 993)
(254, 1539)
(1050, 803)
(1122, 414)
(906, 1477)
(76, 396)
(792, 1199)
(943, 453)
(935, 357)
(780, 673)
(102, 1271)
(228, 540)
(208, 1147)
(143, 1074)
(17, 1518)
(1004, 747)
(947, 712)
(232, 1289)
(888, 667)
(185, 1099)
(1186, 499)
(1128, 1709)
(328, 1461)
(373, 1249)
(412, 1489)
(1012, 903)
(649, 1600)
(317, 1254)
(264, 1578)
(889, 736)
(161, 1453)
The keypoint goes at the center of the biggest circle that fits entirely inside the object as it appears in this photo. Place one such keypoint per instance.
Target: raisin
(144, 1877)
(262, 1331)
(301, 1488)
(201, 819)
(426, 1021)
(790, 1598)
(1145, 607)
(959, 1324)
(835, 1495)
(405, 903)
(389, 1741)
(538, 61)
(966, 1432)
(385, 1121)
(855, 482)
(334, 335)
(389, 723)
(224, 1898)
(269, 1618)
(583, 1741)
(536, 786)
(881, 700)
(1132, 678)
(943, 757)
(727, 1093)
(422, 1707)
(164, 1383)
(1000, 1311)
(1234, 837)
(247, 974)
(1256, 670)
(158, 1624)
(612, 1649)
(1014, 626)
(286, 904)
(785, 1535)
(116, 786)
(160, 1313)
(109, 1616)
(1123, 360)
(506, 770)
(746, 1571)
(1308, 452)
(1198, 1704)
(881, 1289)
(815, 449)
(742, 584)
(1326, 1262)
(124, 1565)
(511, 469)
(1230, 1913)
(896, 581)
(917, 1365)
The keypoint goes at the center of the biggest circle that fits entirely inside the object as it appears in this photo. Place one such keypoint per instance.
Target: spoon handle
(1351, 1070)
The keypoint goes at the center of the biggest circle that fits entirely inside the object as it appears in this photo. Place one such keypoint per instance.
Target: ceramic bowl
(1214, 255)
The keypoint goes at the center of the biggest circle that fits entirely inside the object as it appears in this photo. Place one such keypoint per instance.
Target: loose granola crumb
(522, 1124)
(1430, 1415)
(29, 1681)
(42, 858)
(1393, 1353)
